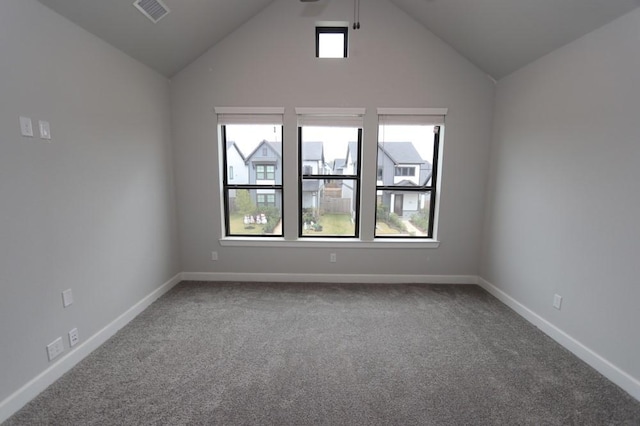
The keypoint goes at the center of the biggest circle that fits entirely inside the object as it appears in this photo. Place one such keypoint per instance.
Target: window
(331, 42)
(265, 200)
(400, 209)
(407, 160)
(405, 171)
(265, 171)
(329, 175)
(253, 196)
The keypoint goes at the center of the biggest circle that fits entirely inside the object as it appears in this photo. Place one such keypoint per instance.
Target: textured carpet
(352, 354)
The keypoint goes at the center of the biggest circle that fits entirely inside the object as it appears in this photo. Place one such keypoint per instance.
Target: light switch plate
(26, 127)
(67, 298)
(557, 301)
(45, 129)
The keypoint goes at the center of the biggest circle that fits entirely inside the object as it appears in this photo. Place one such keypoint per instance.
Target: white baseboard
(331, 278)
(26, 393)
(627, 382)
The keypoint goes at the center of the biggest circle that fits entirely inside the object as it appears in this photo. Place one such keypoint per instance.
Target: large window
(407, 161)
(396, 205)
(252, 187)
(329, 176)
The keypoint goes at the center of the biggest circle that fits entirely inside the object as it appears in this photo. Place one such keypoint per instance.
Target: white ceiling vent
(152, 9)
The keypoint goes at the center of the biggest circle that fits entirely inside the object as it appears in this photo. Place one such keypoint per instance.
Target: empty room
(319, 212)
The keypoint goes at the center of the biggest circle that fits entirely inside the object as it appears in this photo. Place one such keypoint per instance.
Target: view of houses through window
(329, 181)
(405, 185)
(253, 182)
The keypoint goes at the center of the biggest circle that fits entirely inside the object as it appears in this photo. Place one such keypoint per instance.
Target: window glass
(253, 183)
(331, 42)
(329, 205)
(405, 184)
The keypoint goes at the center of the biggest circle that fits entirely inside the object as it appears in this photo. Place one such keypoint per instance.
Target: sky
(335, 139)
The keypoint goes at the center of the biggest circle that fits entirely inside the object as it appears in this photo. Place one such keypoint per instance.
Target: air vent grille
(152, 9)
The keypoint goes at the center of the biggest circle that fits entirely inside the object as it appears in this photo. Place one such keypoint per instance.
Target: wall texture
(393, 62)
(93, 210)
(563, 204)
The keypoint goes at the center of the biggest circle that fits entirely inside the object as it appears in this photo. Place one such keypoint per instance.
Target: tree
(244, 205)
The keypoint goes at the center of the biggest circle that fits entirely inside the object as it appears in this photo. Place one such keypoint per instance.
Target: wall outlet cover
(45, 130)
(67, 298)
(55, 348)
(73, 337)
(557, 301)
(26, 127)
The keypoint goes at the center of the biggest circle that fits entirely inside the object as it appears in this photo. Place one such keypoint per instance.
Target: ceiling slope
(498, 36)
(501, 36)
(192, 27)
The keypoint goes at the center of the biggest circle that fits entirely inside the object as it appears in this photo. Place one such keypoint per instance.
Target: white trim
(386, 243)
(332, 23)
(413, 111)
(249, 110)
(330, 278)
(330, 111)
(621, 378)
(31, 389)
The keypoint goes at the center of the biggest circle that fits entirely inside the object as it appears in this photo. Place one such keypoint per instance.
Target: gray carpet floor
(352, 354)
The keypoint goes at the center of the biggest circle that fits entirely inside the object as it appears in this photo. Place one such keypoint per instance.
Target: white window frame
(368, 172)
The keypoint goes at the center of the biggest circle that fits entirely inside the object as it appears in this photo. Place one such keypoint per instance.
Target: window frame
(302, 176)
(365, 237)
(239, 116)
(432, 189)
(344, 30)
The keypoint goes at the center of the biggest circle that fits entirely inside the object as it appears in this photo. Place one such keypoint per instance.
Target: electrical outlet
(557, 301)
(67, 298)
(26, 127)
(332, 258)
(214, 255)
(55, 348)
(73, 337)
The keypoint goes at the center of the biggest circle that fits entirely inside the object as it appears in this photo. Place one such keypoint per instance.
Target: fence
(335, 205)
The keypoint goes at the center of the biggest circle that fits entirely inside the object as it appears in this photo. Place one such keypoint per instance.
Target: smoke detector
(152, 9)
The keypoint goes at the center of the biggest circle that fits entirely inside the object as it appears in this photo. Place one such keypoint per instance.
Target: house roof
(353, 148)
(313, 151)
(402, 152)
(275, 146)
(232, 144)
(339, 163)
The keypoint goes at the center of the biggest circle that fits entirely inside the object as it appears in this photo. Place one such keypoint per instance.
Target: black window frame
(431, 189)
(227, 187)
(326, 177)
(333, 30)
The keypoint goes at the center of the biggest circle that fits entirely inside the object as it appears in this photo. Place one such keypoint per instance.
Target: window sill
(329, 243)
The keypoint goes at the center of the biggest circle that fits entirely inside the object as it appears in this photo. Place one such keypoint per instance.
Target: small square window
(331, 42)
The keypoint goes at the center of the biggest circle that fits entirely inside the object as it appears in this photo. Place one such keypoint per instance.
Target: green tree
(244, 205)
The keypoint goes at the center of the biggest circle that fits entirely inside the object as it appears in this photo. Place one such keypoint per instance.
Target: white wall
(93, 210)
(563, 210)
(270, 61)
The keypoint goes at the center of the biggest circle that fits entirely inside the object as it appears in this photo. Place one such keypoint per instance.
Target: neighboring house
(349, 166)
(262, 166)
(237, 172)
(312, 164)
(399, 164)
(338, 166)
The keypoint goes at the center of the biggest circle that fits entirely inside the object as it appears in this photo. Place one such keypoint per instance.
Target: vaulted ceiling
(498, 36)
